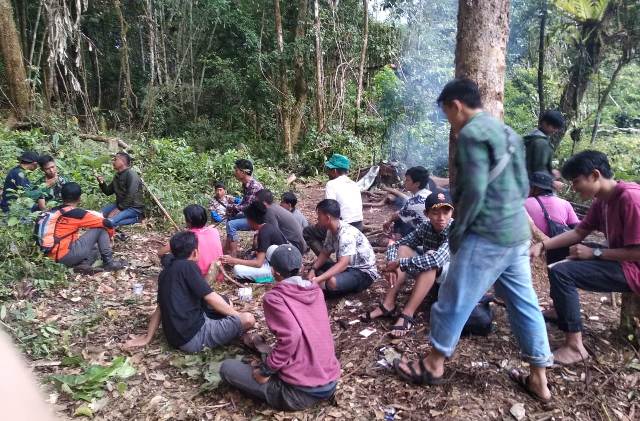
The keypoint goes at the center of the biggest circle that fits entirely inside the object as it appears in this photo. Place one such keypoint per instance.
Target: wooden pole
(157, 201)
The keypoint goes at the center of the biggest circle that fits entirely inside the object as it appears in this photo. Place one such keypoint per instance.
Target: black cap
(284, 258)
(542, 180)
(438, 199)
(29, 157)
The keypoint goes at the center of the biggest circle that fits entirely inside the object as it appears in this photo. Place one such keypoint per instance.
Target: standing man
(50, 183)
(17, 180)
(127, 186)
(236, 221)
(539, 151)
(489, 242)
(346, 192)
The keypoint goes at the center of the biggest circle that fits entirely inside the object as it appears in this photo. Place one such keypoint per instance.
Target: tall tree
(284, 113)
(541, 41)
(12, 54)
(481, 45)
(319, 68)
(363, 56)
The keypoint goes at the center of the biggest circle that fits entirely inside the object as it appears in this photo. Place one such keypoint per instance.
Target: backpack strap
(544, 210)
(504, 160)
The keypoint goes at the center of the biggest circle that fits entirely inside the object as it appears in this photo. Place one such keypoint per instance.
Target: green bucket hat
(337, 161)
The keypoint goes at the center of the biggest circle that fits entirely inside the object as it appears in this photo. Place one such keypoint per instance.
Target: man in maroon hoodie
(302, 368)
(614, 212)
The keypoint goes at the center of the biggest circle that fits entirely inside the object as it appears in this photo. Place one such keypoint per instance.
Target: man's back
(283, 219)
(559, 211)
(15, 179)
(347, 193)
(492, 209)
(538, 152)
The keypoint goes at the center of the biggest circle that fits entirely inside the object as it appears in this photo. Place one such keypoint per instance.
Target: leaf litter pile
(72, 337)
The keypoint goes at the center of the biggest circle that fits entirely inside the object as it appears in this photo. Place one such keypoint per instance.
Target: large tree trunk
(300, 87)
(283, 107)
(543, 27)
(319, 69)
(14, 65)
(363, 58)
(630, 316)
(483, 30)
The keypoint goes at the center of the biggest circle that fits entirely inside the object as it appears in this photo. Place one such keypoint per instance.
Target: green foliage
(204, 365)
(37, 339)
(91, 382)
(583, 10)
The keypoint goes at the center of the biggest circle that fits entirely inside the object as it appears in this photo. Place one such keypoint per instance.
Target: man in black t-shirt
(258, 269)
(185, 298)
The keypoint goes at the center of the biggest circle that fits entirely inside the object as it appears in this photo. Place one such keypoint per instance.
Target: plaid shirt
(249, 191)
(435, 244)
(492, 210)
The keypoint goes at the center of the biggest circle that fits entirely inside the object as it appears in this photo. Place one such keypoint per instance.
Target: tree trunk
(283, 107)
(300, 87)
(319, 69)
(127, 101)
(483, 30)
(543, 26)
(363, 58)
(630, 316)
(14, 65)
(603, 98)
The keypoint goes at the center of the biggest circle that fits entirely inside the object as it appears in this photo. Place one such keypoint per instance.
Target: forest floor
(171, 385)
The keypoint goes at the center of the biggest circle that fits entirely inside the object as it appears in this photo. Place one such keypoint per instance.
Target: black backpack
(480, 322)
(555, 228)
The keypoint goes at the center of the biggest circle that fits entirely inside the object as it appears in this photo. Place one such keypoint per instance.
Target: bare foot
(568, 355)
(534, 386)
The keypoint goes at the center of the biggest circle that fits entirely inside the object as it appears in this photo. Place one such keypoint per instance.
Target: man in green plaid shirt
(489, 242)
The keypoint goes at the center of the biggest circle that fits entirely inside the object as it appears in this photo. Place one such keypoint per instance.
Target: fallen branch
(226, 275)
(104, 139)
(157, 201)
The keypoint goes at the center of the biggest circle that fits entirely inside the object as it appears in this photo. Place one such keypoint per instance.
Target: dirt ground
(101, 311)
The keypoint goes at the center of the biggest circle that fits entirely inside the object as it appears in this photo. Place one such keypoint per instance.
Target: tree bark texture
(300, 85)
(12, 54)
(630, 316)
(319, 68)
(541, 41)
(481, 45)
(283, 106)
(363, 56)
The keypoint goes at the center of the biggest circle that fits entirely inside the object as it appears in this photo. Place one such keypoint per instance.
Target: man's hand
(311, 274)
(113, 213)
(387, 225)
(392, 266)
(392, 278)
(228, 260)
(136, 342)
(49, 182)
(259, 377)
(100, 179)
(580, 252)
(535, 250)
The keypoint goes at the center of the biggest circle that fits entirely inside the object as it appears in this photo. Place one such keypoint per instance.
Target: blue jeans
(125, 217)
(235, 224)
(476, 266)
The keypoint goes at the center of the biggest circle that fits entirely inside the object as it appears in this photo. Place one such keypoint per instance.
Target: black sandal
(419, 378)
(366, 318)
(407, 324)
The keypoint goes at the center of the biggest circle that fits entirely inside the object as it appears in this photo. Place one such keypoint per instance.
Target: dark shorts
(214, 333)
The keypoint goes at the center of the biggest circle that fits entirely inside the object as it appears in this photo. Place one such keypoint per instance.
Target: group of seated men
(500, 190)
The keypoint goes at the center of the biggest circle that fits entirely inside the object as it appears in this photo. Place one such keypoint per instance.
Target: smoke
(419, 134)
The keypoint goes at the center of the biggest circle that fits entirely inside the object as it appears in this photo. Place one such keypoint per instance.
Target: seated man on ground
(404, 257)
(209, 245)
(184, 303)
(17, 179)
(236, 219)
(282, 219)
(615, 212)
(289, 202)
(549, 213)
(219, 202)
(302, 368)
(411, 214)
(50, 184)
(346, 192)
(127, 186)
(355, 267)
(257, 270)
(58, 234)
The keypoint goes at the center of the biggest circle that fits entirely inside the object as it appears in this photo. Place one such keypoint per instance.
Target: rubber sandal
(366, 318)
(523, 382)
(407, 324)
(424, 377)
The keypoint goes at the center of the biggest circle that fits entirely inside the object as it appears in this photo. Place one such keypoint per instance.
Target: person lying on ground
(354, 269)
(17, 181)
(50, 184)
(209, 245)
(282, 219)
(302, 369)
(411, 214)
(615, 212)
(489, 242)
(405, 257)
(257, 270)
(66, 245)
(346, 192)
(185, 301)
(219, 202)
(127, 186)
(236, 220)
(549, 211)
(289, 201)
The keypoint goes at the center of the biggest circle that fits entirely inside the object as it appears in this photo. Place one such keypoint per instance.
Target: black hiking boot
(114, 265)
(87, 269)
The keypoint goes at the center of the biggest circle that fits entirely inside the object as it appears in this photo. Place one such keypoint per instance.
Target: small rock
(518, 412)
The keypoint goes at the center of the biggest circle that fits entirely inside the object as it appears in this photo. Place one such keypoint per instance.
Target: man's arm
(254, 263)
(340, 266)
(217, 303)
(318, 263)
(565, 239)
(93, 219)
(622, 255)
(144, 340)
(288, 333)
(431, 259)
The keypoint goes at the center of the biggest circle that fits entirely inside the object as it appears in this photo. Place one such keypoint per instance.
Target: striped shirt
(435, 244)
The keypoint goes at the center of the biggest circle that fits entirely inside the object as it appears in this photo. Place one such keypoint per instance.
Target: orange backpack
(45, 228)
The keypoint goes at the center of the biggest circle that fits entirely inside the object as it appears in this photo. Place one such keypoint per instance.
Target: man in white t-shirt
(343, 190)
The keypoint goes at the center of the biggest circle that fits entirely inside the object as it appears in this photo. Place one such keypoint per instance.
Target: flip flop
(407, 325)
(366, 318)
(522, 381)
(419, 378)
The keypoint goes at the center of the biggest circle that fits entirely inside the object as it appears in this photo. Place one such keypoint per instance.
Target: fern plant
(583, 11)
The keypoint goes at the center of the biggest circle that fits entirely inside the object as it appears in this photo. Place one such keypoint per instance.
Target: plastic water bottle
(389, 413)
(216, 216)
